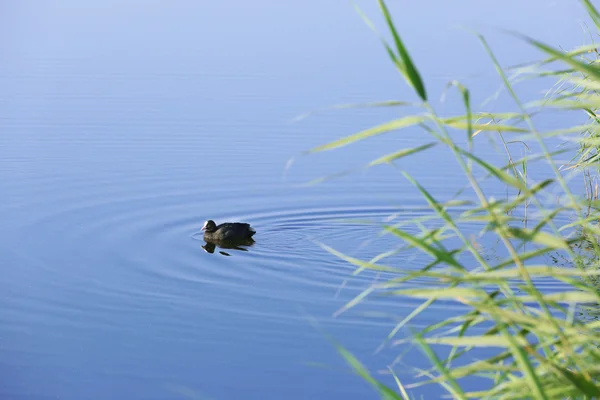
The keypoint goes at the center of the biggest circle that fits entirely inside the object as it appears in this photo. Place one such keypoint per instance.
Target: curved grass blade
(582, 383)
(532, 66)
(498, 173)
(361, 371)
(497, 116)
(356, 300)
(592, 12)
(486, 127)
(456, 391)
(441, 255)
(476, 341)
(399, 384)
(377, 130)
(522, 359)
(535, 270)
(389, 103)
(410, 72)
(388, 158)
(357, 262)
(441, 293)
(467, 103)
(531, 235)
(580, 66)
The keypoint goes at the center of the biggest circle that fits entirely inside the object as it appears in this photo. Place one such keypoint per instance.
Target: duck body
(227, 231)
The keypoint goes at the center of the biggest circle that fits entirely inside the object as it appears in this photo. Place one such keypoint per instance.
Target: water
(123, 126)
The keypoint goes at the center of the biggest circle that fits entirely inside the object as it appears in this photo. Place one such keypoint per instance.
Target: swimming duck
(227, 231)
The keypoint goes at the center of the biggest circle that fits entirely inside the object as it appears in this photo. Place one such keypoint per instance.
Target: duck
(227, 231)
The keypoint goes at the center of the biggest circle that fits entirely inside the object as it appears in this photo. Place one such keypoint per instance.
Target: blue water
(125, 125)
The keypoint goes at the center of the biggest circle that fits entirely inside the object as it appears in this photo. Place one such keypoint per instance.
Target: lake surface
(125, 125)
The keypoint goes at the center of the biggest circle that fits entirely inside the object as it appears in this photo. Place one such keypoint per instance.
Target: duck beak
(203, 228)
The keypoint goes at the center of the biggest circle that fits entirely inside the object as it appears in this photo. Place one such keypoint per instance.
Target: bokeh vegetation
(546, 343)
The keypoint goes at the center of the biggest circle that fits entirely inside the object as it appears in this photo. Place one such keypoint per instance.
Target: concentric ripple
(150, 250)
(129, 251)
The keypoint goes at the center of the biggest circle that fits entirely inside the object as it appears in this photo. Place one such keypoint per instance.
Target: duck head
(209, 226)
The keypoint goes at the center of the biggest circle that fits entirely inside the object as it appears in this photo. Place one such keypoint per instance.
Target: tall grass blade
(400, 385)
(438, 254)
(408, 68)
(592, 12)
(527, 368)
(361, 371)
(580, 66)
(389, 103)
(388, 158)
(530, 235)
(456, 390)
(486, 127)
(383, 128)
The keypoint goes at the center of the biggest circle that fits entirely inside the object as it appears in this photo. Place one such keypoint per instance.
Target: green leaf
(377, 130)
(585, 83)
(441, 255)
(361, 371)
(442, 293)
(356, 300)
(467, 103)
(388, 158)
(530, 235)
(399, 384)
(475, 341)
(497, 116)
(525, 68)
(593, 13)
(571, 297)
(408, 68)
(539, 270)
(454, 388)
(389, 103)
(359, 263)
(582, 67)
(486, 127)
(409, 317)
(580, 103)
(498, 173)
(522, 359)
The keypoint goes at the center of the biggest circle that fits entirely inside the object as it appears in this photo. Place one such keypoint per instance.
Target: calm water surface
(125, 125)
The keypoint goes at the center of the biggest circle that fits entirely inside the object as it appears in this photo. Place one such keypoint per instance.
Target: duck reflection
(241, 245)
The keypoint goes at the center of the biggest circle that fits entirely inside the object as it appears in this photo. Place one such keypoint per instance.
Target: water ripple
(136, 251)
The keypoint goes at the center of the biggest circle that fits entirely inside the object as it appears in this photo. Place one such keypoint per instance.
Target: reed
(544, 349)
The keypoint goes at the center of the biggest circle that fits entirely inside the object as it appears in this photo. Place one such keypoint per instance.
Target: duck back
(230, 231)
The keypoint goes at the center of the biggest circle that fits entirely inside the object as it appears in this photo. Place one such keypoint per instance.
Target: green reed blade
(456, 390)
(578, 380)
(543, 238)
(592, 12)
(399, 384)
(377, 130)
(442, 293)
(486, 127)
(388, 158)
(498, 173)
(585, 68)
(361, 371)
(476, 341)
(411, 73)
(523, 361)
(438, 254)
(389, 103)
